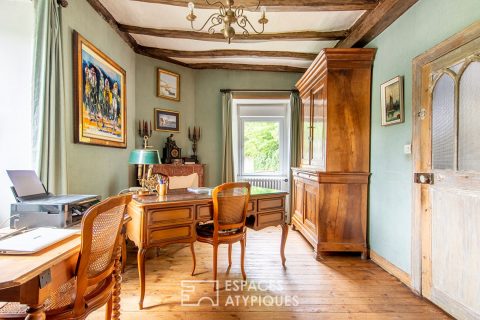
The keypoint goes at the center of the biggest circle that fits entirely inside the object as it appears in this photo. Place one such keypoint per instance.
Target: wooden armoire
(331, 185)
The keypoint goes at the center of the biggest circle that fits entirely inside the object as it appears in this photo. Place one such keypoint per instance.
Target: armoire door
(447, 134)
(306, 130)
(298, 191)
(318, 125)
(311, 207)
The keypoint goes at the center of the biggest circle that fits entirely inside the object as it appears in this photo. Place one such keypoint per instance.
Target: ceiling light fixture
(229, 15)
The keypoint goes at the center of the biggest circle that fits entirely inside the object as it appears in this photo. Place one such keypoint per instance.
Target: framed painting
(99, 97)
(168, 85)
(167, 120)
(392, 101)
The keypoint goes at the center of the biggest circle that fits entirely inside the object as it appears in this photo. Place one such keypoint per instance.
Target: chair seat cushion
(206, 230)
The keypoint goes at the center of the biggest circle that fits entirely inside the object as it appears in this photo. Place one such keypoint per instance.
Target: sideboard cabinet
(331, 185)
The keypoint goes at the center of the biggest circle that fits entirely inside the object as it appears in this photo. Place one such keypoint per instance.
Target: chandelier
(229, 15)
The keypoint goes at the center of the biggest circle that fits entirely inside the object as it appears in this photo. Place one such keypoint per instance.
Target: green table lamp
(144, 157)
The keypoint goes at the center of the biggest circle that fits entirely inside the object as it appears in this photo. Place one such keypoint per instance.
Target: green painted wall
(93, 169)
(147, 100)
(208, 113)
(423, 26)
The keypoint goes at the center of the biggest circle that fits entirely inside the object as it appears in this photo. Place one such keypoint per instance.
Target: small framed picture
(392, 101)
(167, 120)
(168, 85)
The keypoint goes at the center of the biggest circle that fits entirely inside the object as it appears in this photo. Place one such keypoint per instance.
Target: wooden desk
(30, 279)
(24, 278)
(160, 221)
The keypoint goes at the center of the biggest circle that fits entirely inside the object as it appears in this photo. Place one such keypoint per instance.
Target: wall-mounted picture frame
(168, 85)
(100, 115)
(166, 120)
(392, 101)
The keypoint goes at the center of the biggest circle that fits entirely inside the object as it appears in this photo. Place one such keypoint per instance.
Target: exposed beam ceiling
(285, 5)
(374, 22)
(205, 36)
(227, 53)
(249, 67)
(107, 16)
(153, 39)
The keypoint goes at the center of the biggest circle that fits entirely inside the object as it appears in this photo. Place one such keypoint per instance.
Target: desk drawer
(269, 219)
(271, 204)
(205, 212)
(170, 215)
(170, 234)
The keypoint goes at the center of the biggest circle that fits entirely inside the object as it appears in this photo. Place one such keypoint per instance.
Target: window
(261, 134)
(16, 36)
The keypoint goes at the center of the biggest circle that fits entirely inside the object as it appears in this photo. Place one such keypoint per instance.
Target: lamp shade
(144, 156)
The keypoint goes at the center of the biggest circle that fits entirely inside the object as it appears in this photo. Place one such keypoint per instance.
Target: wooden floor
(341, 287)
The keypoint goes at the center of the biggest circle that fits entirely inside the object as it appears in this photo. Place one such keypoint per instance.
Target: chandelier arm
(246, 21)
(216, 3)
(258, 5)
(212, 16)
(215, 22)
(245, 31)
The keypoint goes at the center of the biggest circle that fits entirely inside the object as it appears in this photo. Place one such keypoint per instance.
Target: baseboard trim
(392, 269)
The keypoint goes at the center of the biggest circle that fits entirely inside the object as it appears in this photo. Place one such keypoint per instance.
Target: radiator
(276, 183)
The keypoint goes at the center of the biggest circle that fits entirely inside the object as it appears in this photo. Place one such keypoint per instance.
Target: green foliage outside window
(262, 145)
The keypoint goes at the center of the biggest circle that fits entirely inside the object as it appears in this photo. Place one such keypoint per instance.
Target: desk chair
(96, 278)
(230, 203)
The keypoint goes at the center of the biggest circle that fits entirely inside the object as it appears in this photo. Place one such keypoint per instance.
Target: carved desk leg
(36, 312)
(284, 240)
(141, 274)
(118, 284)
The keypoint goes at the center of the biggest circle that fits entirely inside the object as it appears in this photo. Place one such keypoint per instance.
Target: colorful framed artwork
(167, 120)
(99, 97)
(392, 101)
(168, 85)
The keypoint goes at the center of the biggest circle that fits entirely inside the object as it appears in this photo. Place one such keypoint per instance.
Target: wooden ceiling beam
(374, 22)
(282, 5)
(205, 36)
(107, 16)
(247, 67)
(228, 53)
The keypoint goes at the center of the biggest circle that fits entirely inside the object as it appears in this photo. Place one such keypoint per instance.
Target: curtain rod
(255, 90)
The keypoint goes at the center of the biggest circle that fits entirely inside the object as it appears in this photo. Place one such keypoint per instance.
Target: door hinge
(423, 178)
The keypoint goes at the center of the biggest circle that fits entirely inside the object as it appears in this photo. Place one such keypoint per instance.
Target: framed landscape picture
(168, 85)
(99, 97)
(167, 120)
(392, 101)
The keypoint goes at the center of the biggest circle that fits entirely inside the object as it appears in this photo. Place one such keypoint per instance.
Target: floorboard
(340, 287)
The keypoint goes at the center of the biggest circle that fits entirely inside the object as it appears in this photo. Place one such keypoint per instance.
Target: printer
(36, 207)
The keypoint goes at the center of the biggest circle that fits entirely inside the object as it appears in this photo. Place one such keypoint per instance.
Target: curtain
(227, 142)
(295, 140)
(48, 123)
(295, 133)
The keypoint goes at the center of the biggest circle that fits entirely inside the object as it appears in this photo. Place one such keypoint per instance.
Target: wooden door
(318, 125)
(298, 191)
(306, 130)
(447, 162)
(311, 207)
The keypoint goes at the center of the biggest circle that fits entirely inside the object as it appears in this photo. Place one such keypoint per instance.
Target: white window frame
(238, 129)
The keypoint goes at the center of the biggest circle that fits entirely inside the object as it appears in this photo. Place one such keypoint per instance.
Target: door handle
(423, 178)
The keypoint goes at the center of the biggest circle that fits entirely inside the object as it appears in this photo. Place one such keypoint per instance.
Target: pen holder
(162, 189)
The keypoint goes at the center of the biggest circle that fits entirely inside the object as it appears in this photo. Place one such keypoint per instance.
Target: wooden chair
(230, 203)
(96, 280)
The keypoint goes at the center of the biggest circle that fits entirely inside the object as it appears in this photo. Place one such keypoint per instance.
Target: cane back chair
(230, 204)
(96, 275)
